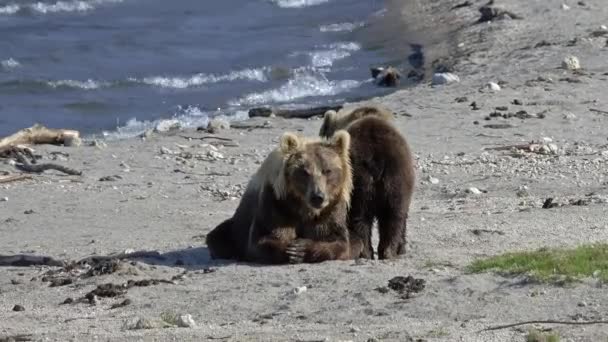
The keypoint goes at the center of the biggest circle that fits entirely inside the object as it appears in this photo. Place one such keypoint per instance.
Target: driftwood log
(20, 260)
(292, 113)
(39, 134)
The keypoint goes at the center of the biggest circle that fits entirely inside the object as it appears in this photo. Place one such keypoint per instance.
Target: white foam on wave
(186, 116)
(86, 85)
(298, 3)
(10, 64)
(305, 83)
(56, 7)
(334, 52)
(10, 9)
(200, 79)
(341, 27)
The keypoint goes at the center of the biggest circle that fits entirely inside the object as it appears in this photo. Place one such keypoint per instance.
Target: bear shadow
(192, 259)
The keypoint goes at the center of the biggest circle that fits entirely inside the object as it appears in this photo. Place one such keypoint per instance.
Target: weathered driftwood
(39, 134)
(14, 178)
(20, 260)
(292, 113)
(26, 166)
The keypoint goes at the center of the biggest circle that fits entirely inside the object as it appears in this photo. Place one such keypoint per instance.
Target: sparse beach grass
(550, 264)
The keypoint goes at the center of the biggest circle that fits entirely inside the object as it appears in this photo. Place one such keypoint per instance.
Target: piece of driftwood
(550, 321)
(292, 113)
(25, 165)
(14, 178)
(20, 260)
(39, 134)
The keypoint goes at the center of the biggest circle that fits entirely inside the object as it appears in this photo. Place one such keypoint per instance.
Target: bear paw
(296, 251)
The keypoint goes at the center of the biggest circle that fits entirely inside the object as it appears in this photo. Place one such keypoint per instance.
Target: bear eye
(326, 172)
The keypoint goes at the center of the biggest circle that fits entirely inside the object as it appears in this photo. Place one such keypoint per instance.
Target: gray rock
(445, 78)
(217, 125)
(186, 321)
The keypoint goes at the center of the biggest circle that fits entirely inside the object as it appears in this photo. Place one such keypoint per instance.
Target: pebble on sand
(217, 125)
(493, 86)
(18, 308)
(186, 321)
(474, 191)
(445, 78)
(432, 180)
(4, 199)
(299, 290)
(571, 63)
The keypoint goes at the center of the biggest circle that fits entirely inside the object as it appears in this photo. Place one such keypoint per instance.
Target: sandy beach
(165, 192)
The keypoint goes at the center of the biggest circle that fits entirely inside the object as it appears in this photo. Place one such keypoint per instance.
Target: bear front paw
(296, 251)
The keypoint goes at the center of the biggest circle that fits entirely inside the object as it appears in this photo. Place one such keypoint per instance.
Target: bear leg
(219, 241)
(360, 228)
(392, 229)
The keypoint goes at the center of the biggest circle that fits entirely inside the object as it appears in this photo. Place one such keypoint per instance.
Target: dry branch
(39, 168)
(292, 113)
(39, 134)
(14, 178)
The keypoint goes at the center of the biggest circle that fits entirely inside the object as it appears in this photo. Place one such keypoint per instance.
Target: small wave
(86, 85)
(185, 116)
(200, 79)
(10, 9)
(337, 51)
(341, 27)
(298, 3)
(10, 64)
(306, 83)
(59, 6)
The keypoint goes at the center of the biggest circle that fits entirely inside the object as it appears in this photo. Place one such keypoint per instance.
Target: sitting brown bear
(294, 208)
(383, 178)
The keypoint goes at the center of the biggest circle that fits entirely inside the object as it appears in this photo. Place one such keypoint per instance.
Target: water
(116, 66)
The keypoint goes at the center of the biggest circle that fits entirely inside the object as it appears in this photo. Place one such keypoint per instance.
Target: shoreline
(167, 191)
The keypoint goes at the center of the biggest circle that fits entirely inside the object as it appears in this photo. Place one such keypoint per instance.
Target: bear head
(334, 121)
(317, 172)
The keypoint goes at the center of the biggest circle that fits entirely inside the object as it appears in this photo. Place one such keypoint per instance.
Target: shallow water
(99, 65)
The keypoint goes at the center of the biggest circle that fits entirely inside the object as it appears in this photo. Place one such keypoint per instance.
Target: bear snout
(317, 199)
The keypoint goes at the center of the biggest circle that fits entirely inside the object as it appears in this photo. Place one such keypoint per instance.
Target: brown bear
(383, 178)
(294, 208)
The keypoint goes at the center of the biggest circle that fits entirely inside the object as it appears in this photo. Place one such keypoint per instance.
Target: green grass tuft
(537, 336)
(550, 264)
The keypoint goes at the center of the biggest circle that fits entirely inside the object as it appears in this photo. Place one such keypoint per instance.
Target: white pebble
(474, 191)
(493, 86)
(432, 180)
(186, 321)
(569, 116)
(571, 63)
(299, 290)
(565, 7)
(445, 78)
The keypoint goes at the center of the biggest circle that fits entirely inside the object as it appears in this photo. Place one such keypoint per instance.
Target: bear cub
(294, 208)
(383, 178)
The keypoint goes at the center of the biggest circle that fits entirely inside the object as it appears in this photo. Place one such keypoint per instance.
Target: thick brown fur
(383, 179)
(333, 121)
(294, 208)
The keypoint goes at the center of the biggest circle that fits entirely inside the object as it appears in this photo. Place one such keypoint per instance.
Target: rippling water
(118, 65)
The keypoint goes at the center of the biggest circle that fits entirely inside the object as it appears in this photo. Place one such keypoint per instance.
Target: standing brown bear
(383, 178)
(294, 208)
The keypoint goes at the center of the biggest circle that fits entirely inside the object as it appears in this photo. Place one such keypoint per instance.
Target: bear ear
(289, 143)
(328, 122)
(341, 140)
